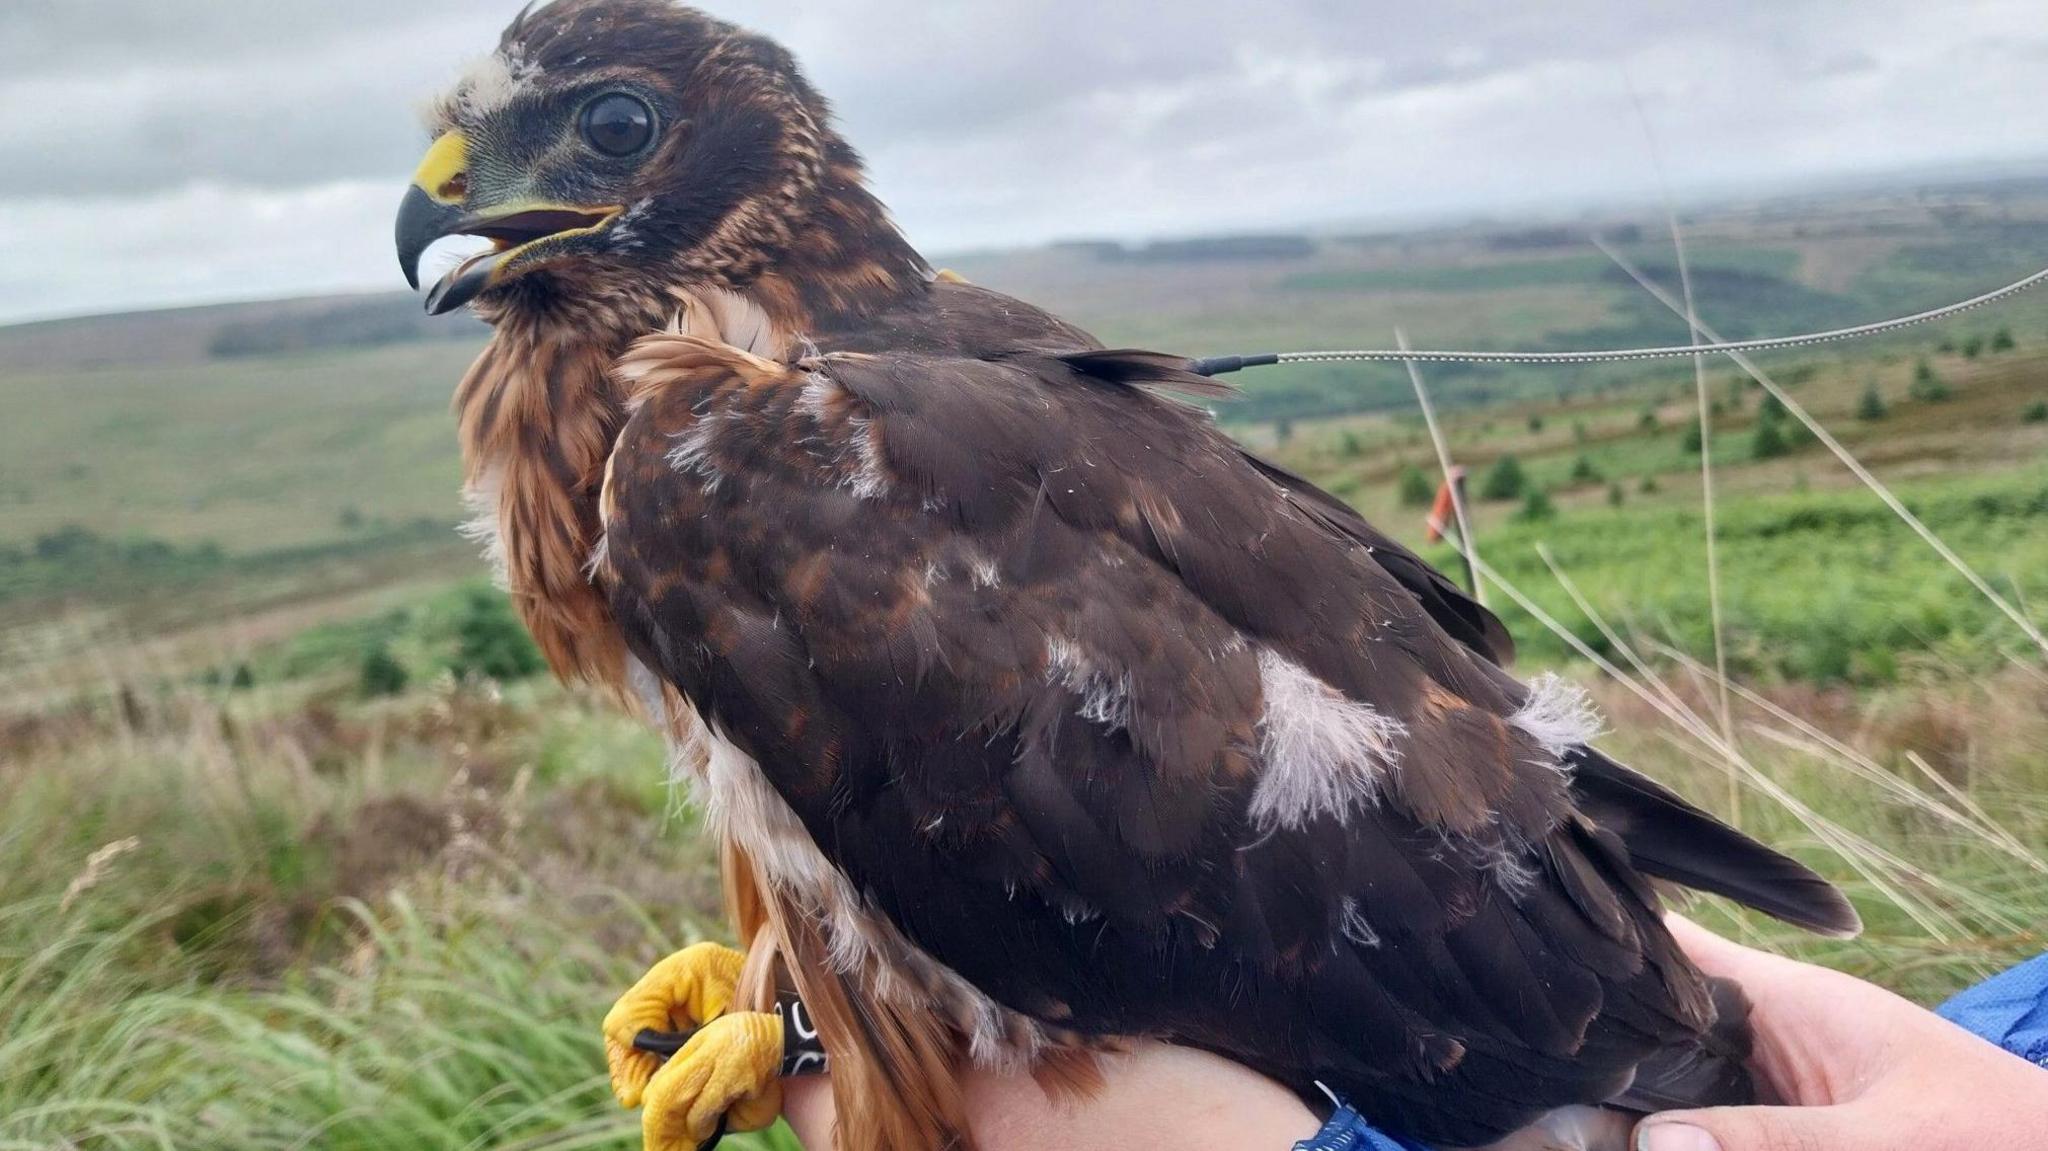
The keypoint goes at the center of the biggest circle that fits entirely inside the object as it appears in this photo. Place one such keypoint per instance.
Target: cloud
(989, 121)
(236, 94)
(202, 243)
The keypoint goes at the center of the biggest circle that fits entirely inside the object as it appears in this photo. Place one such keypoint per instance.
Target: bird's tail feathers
(1671, 839)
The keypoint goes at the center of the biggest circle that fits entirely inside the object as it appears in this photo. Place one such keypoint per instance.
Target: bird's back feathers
(1142, 736)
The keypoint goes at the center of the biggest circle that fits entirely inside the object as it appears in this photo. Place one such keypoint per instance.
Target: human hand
(1863, 1069)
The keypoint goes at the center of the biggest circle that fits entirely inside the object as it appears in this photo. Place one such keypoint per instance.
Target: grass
(135, 499)
(385, 1051)
(248, 455)
(1821, 582)
(1925, 803)
(281, 918)
(1823, 587)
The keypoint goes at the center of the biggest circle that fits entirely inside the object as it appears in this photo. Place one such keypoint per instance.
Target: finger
(1724, 957)
(1755, 1129)
(1785, 992)
(1818, 1036)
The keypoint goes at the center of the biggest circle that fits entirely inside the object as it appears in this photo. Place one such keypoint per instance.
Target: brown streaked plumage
(537, 421)
(1036, 714)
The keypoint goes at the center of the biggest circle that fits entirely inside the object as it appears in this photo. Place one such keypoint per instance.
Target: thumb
(1752, 1129)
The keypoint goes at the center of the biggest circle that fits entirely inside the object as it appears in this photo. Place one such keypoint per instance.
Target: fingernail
(1655, 1136)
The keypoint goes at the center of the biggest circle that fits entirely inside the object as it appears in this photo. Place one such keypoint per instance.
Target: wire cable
(1219, 365)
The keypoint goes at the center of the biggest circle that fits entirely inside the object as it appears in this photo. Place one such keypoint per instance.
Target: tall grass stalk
(1706, 424)
(1467, 541)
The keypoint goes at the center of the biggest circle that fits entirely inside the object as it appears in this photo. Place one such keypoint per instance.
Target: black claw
(662, 1043)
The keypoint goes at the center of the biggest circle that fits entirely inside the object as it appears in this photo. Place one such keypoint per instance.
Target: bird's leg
(729, 1073)
(729, 1069)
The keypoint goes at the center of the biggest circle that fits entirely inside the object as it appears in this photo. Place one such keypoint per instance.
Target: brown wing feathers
(995, 630)
(1463, 618)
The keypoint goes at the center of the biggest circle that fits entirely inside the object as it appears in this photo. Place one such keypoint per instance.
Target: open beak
(435, 207)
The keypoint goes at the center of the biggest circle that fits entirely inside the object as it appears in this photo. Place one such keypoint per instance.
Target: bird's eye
(618, 124)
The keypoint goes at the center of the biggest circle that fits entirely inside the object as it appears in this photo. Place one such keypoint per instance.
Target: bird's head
(613, 150)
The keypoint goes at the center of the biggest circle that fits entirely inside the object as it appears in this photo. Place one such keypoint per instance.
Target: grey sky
(158, 152)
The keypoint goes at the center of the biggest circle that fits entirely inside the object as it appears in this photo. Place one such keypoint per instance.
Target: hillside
(161, 466)
(180, 337)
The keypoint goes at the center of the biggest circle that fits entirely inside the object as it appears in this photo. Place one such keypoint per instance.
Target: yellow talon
(730, 1068)
(687, 990)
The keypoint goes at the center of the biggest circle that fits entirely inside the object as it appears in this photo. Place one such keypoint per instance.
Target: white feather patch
(817, 395)
(1558, 715)
(490, 84)
(1074, 911)
(733, 319)
(483, 499)
(1352, 924)
(1511, 868)
(1324, 752)
(1105, 698)
(647, 690)
(860, 461)
(867, 479)
(626, 229)
(692, 453)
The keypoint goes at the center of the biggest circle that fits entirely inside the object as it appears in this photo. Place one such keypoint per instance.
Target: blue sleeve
(2010, 1010)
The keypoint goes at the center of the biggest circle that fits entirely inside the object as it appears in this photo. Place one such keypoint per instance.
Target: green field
(297, 849)
(1821, 581)
(251, 454)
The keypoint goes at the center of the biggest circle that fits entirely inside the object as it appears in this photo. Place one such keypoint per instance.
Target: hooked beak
(435, 208)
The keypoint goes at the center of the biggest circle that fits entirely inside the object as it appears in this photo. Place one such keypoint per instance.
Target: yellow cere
(444, 165)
